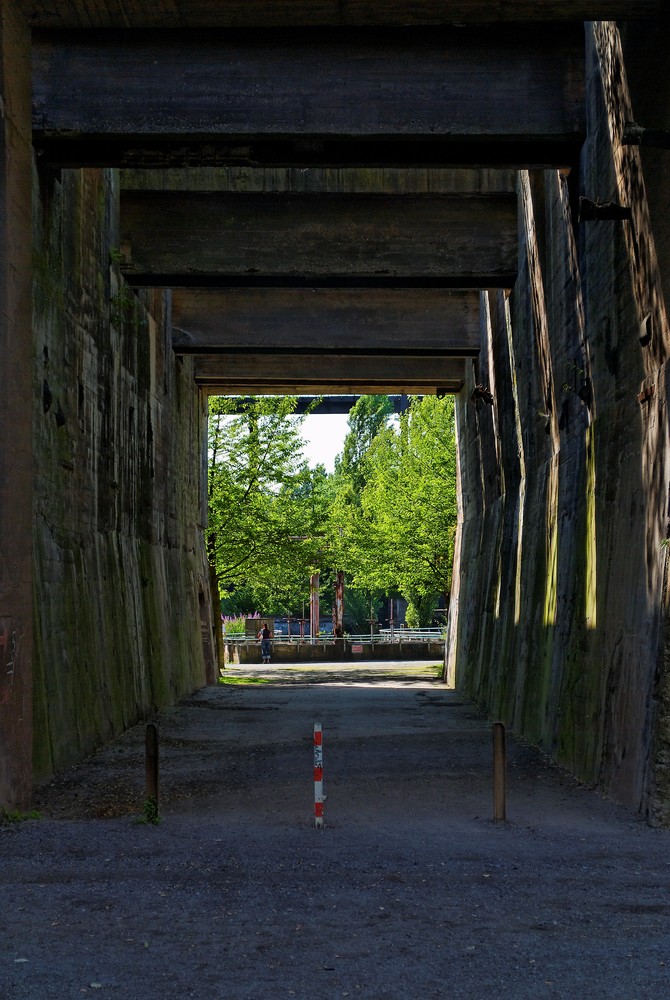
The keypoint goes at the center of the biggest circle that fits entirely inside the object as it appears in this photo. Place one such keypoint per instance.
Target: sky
(324, 434)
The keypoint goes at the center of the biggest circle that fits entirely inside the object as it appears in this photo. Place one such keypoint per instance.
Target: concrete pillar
(16, 391)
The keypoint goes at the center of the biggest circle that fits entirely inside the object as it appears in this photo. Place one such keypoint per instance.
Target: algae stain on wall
(591, 543)
(119, 548)
(574, 656)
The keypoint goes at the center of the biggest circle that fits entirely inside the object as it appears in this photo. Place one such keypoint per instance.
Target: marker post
(318, 776)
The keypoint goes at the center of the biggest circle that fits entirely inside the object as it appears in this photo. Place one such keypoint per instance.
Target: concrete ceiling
(355, 13)
(95, 103)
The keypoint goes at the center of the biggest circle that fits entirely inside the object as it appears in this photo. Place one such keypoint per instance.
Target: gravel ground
(409, 891)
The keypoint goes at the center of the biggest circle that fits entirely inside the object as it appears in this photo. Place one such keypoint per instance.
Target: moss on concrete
(119, 555)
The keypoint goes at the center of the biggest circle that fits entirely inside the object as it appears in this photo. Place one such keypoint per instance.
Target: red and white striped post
(318, 776)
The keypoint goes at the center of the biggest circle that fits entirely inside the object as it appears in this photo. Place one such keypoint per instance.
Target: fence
(384, 635)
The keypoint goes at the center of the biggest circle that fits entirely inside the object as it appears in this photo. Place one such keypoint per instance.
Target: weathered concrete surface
(332, 13)
(123, 621)
(15, 410)
(564, 479)
(173, 237)
(500, 82)
(559, 623)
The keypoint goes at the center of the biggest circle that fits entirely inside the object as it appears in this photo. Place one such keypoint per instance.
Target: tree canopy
(367, 418)
(396, 533)
(386, 516)
(266, 506)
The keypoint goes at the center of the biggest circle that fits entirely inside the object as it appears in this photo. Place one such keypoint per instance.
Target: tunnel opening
(341, 562)
(422, 238)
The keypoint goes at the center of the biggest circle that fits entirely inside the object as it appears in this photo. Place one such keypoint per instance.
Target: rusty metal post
(313, 607)
(338, 606)
(499, 812)
(152, 763)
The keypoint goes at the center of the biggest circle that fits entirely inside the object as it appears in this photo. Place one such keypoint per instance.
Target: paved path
(410, 890)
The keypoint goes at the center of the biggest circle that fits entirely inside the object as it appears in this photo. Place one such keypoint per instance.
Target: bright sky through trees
(324, 436)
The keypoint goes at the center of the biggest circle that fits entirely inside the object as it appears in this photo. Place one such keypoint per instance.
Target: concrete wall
(123, 620)
(15, 410)
(558, 624)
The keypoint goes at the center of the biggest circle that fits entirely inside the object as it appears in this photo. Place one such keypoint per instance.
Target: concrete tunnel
(304, 198)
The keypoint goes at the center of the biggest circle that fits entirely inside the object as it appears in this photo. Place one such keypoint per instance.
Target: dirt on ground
(409, 891)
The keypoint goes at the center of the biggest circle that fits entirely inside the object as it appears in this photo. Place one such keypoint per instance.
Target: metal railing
(384, 635)
(412, 634)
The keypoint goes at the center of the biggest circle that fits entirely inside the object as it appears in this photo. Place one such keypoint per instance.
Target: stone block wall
(122, 608)
(558, 625)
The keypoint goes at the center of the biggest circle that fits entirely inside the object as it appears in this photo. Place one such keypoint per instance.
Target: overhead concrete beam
(174, 239)
(318, 320)
(410, 95)
(279, 374)
(227, 387)
(330, 13)
(324, 180)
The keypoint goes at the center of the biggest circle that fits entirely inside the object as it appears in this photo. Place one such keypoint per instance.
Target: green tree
(398, 534)
(369, 415)
(351, 537)
(266, 506)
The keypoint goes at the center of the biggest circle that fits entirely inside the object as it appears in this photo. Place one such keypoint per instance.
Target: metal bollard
(499, 813)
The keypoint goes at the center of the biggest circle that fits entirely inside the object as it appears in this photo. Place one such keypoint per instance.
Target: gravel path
(410, 890)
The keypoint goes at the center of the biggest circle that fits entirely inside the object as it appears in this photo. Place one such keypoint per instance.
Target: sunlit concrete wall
(121, 593)
(558, 620)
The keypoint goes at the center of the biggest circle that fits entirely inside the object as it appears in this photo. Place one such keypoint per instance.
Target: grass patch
(16, 816)
(150, 815)
(244, 680)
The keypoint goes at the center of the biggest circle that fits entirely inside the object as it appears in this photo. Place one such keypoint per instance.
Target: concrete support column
(16, 354)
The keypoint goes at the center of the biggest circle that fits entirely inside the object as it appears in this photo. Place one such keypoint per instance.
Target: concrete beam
(16, 406)
(322, 180)
(318, 320)
(174, 239)
(279, 374)
(331, 13)
(227, 387)
(411, 95)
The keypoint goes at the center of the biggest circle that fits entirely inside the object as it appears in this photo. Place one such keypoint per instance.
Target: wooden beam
(330, 13)
(318, 320)
(282, 95)
(220, 239)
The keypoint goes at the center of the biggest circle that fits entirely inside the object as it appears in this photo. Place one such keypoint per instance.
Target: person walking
(266, 646)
